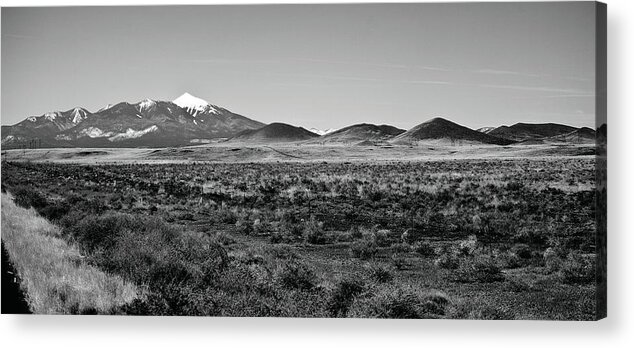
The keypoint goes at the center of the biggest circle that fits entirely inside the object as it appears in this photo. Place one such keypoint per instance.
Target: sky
(315, 66)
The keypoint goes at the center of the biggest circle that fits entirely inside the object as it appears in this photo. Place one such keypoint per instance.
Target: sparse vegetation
(55, 276)
(502, 239)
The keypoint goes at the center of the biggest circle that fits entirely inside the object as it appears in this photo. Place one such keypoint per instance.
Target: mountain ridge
(189, 120)
(147, 123)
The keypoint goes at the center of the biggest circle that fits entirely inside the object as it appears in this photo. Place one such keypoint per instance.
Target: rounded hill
(275, 132)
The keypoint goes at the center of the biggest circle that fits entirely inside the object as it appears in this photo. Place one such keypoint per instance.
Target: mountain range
(190, 120)
(150, 123)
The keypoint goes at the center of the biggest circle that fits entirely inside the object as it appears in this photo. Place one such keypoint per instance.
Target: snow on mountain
(194, 105)
(322, 132)
(79, 115)
(51, 116)
(485, 129)
(94, 132)
(132, 134)
(146, 104)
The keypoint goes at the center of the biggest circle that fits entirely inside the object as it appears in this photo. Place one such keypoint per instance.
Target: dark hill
(444, 130)
(531, 131)
(362, 132)
(275, 132)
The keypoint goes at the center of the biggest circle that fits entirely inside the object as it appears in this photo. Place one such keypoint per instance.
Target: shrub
(468, 247)
(355, 232)
(400, 262)
(276, 237)
(262, 227)
(411, 235)
(530, 235)
(400, 303)
(27, 197)
(577, 269)
(363, 249)
(481, 309)
(55, 211)
(281, 252)
(223, 238)
(382, 238)
(424, 248)
(343, 295)
(448, 259)
(94, 232)
(379, 273)
(296, 275)
(483, 269)
(552, 261)
(314, 232)
(227, 216)
(244, 226)
(523, 251)
(509, 259)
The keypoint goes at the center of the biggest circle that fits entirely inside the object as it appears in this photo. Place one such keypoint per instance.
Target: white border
(616, 331)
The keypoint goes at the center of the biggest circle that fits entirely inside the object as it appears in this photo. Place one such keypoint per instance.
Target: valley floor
(239, 153)
(320, 231)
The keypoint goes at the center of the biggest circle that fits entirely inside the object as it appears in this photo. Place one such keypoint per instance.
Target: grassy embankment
(53, 275)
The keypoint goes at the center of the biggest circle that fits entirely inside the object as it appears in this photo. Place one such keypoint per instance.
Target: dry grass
(54, 277)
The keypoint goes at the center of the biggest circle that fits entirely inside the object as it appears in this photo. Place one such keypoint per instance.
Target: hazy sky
(310, 65)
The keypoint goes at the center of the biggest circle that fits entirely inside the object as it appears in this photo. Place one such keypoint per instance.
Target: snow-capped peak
(78, 114)
(189, 101)
(50, 116)
(194, 105)
(146, 104)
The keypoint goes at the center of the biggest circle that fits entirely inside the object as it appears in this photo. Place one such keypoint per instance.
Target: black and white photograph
(377, 160)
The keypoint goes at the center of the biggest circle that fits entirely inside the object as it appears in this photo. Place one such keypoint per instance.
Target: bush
(577, 269)
(355, 232)
(424, 249)
(468, 247)
(379, 273)
(448, 259)
(400, 262)
(27, 197)
(262, 227)
(509, 259)
(296, 275)
(281, 252)
(483, 269)
(530, 235)
(363, 249)
(94, 232)
(55, 211)
(343, 295)
(244, 226)
(481, 309)
(314, 232)
(223, 238)
(411, 235)
(552, 261)
(382, 238)
(400, 303)
(227, 216)
(523, 251)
